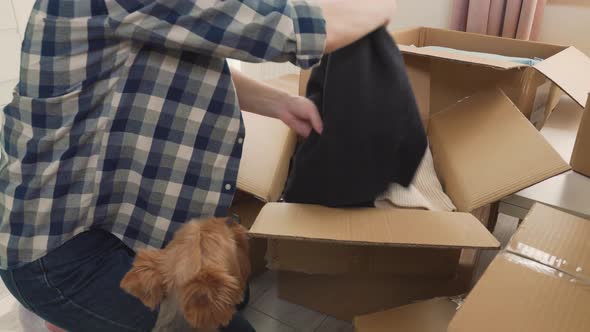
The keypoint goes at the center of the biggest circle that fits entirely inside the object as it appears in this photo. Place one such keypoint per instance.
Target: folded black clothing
(372, 136)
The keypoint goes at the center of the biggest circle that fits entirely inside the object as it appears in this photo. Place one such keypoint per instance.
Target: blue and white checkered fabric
(126, 118)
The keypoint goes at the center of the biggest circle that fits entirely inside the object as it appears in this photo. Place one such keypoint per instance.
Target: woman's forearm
(297, 112)
(257, 97)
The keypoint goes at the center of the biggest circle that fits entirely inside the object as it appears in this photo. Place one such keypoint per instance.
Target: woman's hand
(349, 20)
(299, 113)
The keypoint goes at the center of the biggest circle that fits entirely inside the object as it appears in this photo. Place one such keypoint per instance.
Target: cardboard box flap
(459, 57)
(523, 296)
(538, 283)
(371, 226)
(412, 41)
(428, 316)
(556, 239)
(570, 70)
(484, 149)
(580, 159)
(267, 151)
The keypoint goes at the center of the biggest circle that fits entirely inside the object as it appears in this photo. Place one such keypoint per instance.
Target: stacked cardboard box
(539, 282)
(347, 262)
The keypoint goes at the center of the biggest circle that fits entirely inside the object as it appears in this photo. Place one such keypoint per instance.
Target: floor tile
(331, 324)
(265, 323)
(261, 284)
(299, 317)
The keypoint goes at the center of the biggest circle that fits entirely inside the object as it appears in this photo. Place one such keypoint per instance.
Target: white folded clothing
(425, 192)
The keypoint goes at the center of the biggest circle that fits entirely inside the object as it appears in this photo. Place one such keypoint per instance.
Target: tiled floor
(266, 312)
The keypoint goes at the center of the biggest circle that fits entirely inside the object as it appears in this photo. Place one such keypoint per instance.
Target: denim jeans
(76, 287)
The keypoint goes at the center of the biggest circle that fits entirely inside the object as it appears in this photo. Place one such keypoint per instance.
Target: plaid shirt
(126, 118)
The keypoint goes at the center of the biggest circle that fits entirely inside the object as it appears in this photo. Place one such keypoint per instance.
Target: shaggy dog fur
(200, 275)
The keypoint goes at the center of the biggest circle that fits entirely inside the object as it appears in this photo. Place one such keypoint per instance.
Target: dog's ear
(209, 299)
(144, 280)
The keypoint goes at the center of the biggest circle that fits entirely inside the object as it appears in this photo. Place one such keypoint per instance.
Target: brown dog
(200, 275)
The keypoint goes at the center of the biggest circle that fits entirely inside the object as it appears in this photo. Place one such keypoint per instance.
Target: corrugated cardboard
(335, 259)
(247, 208)
(399, 243)
(372, 227)
(268, 147)
(419, 76)
(484, 150)
(346, 296)
(428, 316)
(539, 283)
(525, 85)
(581, 154)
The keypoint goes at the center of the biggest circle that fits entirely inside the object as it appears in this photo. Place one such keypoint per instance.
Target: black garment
(373, 135)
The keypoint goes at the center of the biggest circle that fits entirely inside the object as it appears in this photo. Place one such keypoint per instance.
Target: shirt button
(228, 186)
(240, 140)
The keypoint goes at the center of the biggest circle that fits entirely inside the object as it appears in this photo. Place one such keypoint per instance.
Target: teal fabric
(524, 61)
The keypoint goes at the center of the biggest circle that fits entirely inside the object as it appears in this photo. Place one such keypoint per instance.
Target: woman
(126, 123)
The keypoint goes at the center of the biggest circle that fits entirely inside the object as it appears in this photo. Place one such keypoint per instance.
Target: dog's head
(205, 268)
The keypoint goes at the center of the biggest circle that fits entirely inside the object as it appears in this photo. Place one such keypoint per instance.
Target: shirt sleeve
(247, 30)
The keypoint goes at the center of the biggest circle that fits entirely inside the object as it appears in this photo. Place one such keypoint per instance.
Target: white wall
(567, 24)
(411, 13)
(13, 19)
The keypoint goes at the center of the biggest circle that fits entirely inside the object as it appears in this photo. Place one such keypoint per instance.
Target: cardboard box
(268, 147)
(338, 259)
(247, 208)
(348, 295)
(581, 155)
(535, 90)
(428, 316)
(470, 142)
(539, 282)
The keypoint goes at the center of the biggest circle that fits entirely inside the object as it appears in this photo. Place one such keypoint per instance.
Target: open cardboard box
(471, 142)
(539, 282)
(393, 250)
(581, 155)
(442, 77)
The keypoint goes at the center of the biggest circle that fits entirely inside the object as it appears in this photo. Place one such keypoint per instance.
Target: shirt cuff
(310, 33)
